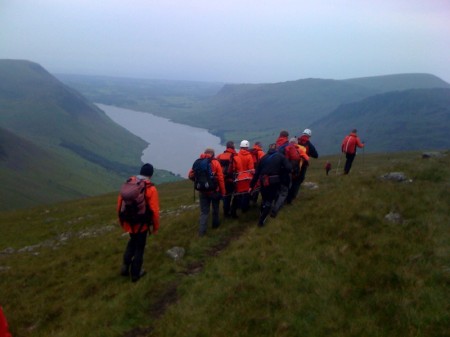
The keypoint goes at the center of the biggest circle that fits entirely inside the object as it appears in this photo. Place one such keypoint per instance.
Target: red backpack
(134, 208)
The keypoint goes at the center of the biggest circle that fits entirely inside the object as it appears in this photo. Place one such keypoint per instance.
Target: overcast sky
(238, 41)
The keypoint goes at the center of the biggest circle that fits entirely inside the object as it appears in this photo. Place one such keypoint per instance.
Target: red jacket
(151, 195)
(350, 143)
(246, 160)
(226, 155)
(217, 172)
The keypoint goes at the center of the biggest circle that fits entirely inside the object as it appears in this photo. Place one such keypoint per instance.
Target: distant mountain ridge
(390, 122)
(258, 111)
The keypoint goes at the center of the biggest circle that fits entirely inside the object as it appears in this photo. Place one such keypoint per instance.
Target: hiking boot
(136, 278)
(125, 270)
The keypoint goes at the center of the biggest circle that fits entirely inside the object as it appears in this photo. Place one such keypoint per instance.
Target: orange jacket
(152, 198)
(226, 155)
(350, 143)
(217, 172)
(246, 160)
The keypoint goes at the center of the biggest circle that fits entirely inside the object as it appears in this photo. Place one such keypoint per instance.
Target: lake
(172, 146)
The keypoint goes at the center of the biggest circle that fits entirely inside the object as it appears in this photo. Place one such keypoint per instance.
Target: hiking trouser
(281, 198)
(229, 187)
(348, 163)
(302, 174)
(240, 201)
(293, 190)
(134, 253)
(208, 201)
(268, 195)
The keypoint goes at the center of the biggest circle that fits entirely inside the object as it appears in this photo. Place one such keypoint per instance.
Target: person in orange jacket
(349, 145)
(243, 178)
(257, 154)
(231, 165)
(133, 256)
(210, 199)
(298, 157)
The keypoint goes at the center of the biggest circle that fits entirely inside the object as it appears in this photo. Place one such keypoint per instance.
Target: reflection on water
(172, 146)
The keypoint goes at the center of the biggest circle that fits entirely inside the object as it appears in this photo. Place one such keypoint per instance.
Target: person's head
(293, 140)
(273, 146)
(230, 145)
(284, 133)
(210, 151)
(258, 144)
(354, 131)
(244, 144)
(146, 170)
(307, 132)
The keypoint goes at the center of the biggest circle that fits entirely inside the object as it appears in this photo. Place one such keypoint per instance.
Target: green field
(328, 265)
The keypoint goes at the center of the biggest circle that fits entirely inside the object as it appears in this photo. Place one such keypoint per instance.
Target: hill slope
(78, 150)
(394, 121)
(331, 264)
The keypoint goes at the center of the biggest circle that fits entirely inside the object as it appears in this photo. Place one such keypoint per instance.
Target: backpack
(204, 179)
(134, 208)
(282, 148)
(228, 167)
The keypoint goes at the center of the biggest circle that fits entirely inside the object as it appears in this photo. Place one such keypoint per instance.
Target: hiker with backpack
(349, 145)
(296, 154)
(206, 173)
(242, 183)
(282, 143)
(304, 140)
(138, 211)
(257, 153)
(269, 173)
(231, 164)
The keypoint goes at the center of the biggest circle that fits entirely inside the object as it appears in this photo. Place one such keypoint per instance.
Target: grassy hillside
(328, 265)
(395, 121)
(56, 143)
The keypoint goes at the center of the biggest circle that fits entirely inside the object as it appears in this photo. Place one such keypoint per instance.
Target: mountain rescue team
(234, 177)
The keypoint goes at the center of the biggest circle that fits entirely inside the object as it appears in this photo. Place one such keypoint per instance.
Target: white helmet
(244, 143)
(307, 132)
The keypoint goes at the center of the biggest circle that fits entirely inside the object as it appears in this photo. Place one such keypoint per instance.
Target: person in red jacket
(133, 256)
(210, 199)
(349, 145)
(231, 165)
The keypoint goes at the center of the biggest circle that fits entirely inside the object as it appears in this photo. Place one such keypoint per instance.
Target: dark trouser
(302, 174)
(268, 195)
(229, 187)
(134, 253)
(240, 201)
(206, 201)
(293, 190)
(281, 198)
(349, 162)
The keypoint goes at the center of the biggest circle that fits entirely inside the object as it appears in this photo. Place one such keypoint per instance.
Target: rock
(394, 217)
(396, 176)
(176, 253)
(310, 185)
